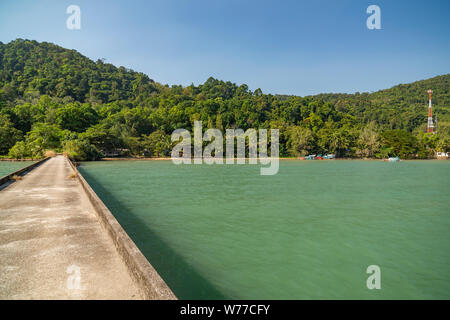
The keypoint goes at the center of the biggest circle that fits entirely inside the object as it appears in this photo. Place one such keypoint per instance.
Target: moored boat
(329, 156)
(392, 159)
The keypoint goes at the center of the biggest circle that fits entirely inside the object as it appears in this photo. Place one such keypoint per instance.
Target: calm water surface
(309, 232)
(7, 167)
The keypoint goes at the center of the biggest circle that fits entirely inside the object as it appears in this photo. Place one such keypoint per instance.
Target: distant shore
(168, 159)
(282, 158)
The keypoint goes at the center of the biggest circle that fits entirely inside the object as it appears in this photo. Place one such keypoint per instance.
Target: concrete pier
(52, 245)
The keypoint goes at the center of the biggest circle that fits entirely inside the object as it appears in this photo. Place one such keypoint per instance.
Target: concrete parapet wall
(143, 273)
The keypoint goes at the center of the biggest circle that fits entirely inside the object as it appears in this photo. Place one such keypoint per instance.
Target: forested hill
(400, 106)
(49, 69)
(55, 98)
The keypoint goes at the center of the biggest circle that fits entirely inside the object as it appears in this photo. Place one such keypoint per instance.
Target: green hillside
(55, 98)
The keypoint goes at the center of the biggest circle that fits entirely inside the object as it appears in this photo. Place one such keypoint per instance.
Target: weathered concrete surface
(49, 228)
(6, 180)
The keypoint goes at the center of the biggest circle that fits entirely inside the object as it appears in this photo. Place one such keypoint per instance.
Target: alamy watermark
(374, 280)
(374, 20)
(74, 279)
(213, 152)
(73, 22)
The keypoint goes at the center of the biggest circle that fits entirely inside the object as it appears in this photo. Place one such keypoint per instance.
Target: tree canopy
(51, 97)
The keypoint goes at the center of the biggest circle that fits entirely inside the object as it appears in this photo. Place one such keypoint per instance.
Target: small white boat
(392, 159)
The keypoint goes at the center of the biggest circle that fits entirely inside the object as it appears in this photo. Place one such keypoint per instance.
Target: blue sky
(287, 47)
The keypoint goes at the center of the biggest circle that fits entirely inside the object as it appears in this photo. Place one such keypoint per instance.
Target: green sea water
(309, 232)
(7, 167)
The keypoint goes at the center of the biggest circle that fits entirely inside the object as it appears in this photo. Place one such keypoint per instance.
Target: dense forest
(53, 98)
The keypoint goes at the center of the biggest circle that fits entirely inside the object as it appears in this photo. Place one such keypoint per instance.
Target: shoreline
(282, 158)
(169, 159)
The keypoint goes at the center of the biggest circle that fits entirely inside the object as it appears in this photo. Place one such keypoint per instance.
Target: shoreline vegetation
(169, 159)
(52, 98)
(235, 159)
(279, 158)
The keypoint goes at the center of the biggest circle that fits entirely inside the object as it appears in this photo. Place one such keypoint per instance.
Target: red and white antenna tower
(430, 124)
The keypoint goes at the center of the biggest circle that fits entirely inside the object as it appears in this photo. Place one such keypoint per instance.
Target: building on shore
(442, 155)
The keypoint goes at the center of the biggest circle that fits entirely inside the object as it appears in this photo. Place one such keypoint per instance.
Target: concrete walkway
(51, 244)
